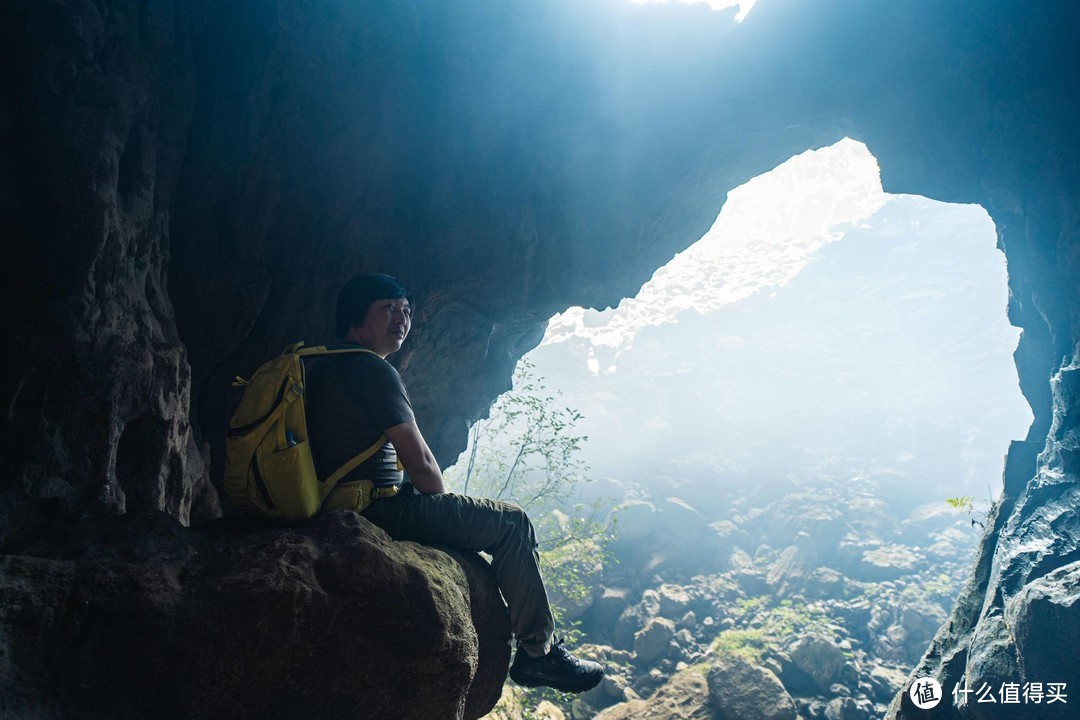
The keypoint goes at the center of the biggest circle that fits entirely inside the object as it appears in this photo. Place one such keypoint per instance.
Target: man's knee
(519, 520)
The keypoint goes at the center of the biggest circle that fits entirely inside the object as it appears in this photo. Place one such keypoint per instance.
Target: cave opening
(819, 323)
(810, 406)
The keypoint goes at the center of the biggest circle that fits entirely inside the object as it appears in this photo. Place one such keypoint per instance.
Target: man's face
(385, 326)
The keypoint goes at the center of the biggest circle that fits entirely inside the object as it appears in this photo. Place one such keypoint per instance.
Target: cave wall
(185, 185)
(96, 381)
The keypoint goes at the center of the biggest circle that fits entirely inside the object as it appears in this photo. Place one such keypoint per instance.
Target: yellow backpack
(268, 464)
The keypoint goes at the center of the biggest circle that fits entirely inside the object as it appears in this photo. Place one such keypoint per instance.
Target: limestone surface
(237, 620)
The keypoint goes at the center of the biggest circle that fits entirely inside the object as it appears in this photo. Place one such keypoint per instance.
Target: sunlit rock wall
(185, 185)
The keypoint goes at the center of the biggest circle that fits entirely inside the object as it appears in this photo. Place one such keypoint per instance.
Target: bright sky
(744, 5)
(820, 320)
(766, 233)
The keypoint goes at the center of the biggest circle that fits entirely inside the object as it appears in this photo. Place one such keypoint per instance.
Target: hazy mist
(821, 329)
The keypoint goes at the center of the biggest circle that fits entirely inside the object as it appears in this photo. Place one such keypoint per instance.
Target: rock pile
(811, 605)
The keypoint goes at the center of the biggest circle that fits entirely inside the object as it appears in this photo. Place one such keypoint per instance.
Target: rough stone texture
(887, 563)
(820, 658)
(789, 573)
(1045, 622)
(189, 182)
(886, 682)
(680, 520)
(233, 620)
(686, 697)
(653, 641)
(848, 709)
(633, 520)
(608, 607)
(674, 600)
(824, 582)
(92, 119)
(744, 691)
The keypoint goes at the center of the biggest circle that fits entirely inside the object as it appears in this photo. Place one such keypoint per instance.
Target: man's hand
(416, 457)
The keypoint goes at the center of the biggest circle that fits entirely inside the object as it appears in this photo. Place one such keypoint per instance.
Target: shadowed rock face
(185, 185)
(233, 620)
(97, 382)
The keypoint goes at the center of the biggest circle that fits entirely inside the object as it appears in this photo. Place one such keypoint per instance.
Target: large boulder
(888, 562)
(820, 658)
(608, 607)
(846, 708)
(788, 574)
(745, 691)
(674, 600)
(686, 696)
(803, 513)
(237, 620)
(653, 641)
(633, 520)
(885, 682)
(681, 521)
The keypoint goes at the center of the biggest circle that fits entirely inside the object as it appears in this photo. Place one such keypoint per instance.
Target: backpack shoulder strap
(332, 350)
(348, 467)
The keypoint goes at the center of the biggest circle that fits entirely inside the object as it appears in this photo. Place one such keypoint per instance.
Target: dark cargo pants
(500, 529)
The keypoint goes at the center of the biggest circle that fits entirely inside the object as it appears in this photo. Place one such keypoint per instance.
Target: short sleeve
(375, 385)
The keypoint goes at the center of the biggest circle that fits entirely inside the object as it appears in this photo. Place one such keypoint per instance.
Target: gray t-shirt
(351, 399)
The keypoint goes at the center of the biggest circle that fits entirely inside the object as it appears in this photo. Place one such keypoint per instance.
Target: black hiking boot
(558, 669)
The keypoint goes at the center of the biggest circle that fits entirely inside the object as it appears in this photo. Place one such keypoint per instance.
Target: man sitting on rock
(354, 398)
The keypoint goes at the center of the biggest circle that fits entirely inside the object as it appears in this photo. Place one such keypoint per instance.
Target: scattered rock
(849, 709)
(627, 626)
(818, 657)
(674, 600)
(580, 710)
(917, 526)
(650, 603)
(740, 560)
(679, 519)
(608, 606)
(888, 562)
(752, 583)
(546, 710)
(633, 520)
(653, 642)
(744, 691)
(804, 513)
(823, 582)
(885, 682)
(788, 574)
(686, 696)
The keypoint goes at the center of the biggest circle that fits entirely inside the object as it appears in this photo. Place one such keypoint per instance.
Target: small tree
(976, 516)
(527, 449)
